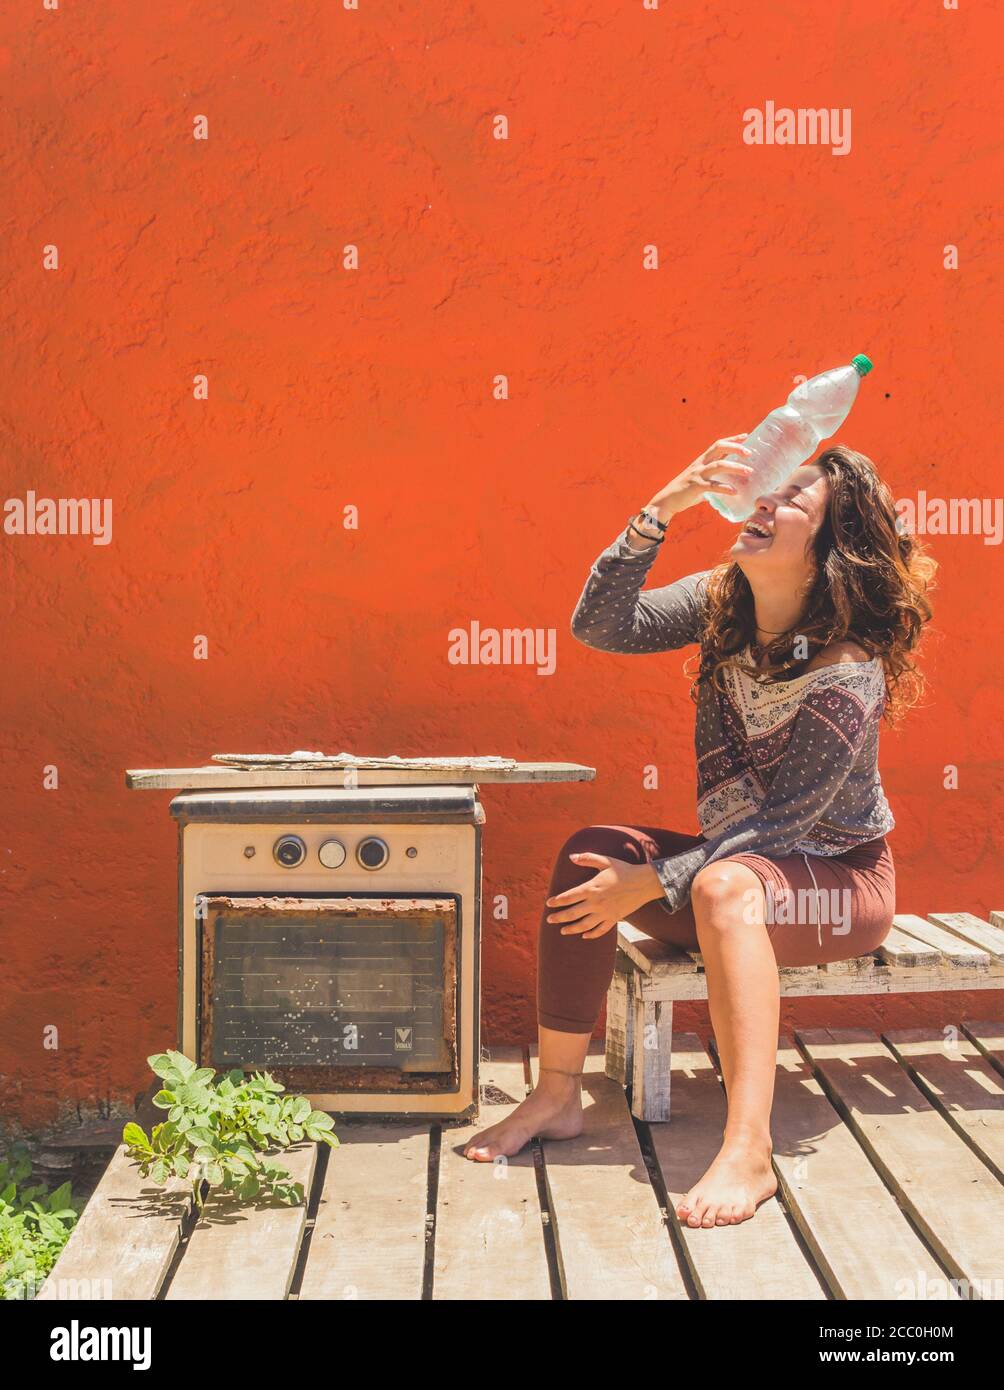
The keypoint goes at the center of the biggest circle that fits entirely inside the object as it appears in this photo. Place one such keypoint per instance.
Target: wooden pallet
(888, 1151)
(944, 951)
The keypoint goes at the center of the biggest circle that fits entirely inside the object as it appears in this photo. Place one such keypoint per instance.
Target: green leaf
(318, 1120)
(164, 1100)
(182, 1064)
(159, 1171)
(199, 1135)
(60, 1197)
(133, 1134)
(214, 1174)
(160, 1063)
(299, 1110)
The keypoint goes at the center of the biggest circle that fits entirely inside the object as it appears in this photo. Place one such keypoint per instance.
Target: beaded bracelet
(651, 516)
(634, 528)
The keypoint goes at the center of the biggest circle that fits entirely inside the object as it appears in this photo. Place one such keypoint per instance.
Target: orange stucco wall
(372, 388)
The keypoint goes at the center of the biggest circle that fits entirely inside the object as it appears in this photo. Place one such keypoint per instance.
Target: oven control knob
(372, 852)
(332, 854)
(289, 851)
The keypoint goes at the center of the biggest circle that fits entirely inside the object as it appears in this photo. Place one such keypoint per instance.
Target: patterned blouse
(784, 768)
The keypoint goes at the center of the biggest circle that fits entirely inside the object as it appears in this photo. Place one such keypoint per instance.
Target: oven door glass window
(292, 983)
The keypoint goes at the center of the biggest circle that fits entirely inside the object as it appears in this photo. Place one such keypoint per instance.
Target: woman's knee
(602, 839)
(726, 894)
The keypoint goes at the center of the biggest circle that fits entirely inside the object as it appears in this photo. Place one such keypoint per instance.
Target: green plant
(218, 1130)
(34, 1226)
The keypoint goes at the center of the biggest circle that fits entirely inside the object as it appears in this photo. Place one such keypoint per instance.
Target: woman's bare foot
(553, 1110)
(740, 1178)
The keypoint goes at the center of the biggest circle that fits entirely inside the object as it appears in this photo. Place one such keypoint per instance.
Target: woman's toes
(693, 1208)
(709, 1218)
(480, 1149)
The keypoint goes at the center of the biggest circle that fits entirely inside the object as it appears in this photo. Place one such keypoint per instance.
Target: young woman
(805, 632)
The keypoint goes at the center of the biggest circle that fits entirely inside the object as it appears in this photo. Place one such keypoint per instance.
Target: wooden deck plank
(960, 1083)
(759, 1259)
(410, 772)
(983, 935)
(786, 972)
(244, 1251)
(857, 966)
(125, 1239)
(953, 949)
(648, 954)
(861, 1241)
(368, 1240)
(988, 1036)
(489, 1232)
(952, 1196)
(612, 1236)
(906, 951)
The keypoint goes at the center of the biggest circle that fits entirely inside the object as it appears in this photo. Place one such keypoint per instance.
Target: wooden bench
(944, 951)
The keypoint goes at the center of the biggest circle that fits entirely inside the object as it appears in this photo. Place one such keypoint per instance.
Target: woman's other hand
(594, 907)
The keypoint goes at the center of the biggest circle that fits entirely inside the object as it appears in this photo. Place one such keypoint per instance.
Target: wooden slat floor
(889, 1153)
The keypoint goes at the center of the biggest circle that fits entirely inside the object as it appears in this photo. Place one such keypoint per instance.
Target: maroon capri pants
(823, 910)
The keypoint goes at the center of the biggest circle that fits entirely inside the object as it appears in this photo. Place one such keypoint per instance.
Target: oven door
(331, 994)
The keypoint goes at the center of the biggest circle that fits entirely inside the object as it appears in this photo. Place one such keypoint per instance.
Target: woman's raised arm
(612, 613)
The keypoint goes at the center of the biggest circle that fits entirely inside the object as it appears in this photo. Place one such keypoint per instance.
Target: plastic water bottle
(782, 442)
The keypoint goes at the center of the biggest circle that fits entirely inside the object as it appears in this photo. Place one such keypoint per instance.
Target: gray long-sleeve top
(787, 767)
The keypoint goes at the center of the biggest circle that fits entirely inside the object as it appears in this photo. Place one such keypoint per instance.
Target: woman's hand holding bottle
(706, 474)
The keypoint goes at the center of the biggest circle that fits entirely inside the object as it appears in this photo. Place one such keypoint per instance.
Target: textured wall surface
(331, 387)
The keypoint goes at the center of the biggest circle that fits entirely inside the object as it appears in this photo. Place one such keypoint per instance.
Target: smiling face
(776, 540)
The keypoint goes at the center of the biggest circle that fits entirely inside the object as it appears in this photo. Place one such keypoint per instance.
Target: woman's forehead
(808, 474)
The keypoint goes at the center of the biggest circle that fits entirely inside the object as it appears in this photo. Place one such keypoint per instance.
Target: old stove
(330, 934)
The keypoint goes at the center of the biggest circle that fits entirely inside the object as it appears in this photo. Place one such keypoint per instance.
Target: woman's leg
(728, 903)
(573, 975)
(753, 914)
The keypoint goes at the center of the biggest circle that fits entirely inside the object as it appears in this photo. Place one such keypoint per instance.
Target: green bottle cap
(862, 363)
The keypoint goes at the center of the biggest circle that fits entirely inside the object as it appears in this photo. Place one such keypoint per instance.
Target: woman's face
(790, 517)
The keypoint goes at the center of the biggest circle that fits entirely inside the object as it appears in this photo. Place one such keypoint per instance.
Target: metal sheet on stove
(459, 804)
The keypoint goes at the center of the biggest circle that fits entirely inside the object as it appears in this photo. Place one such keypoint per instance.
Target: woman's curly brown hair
(870, 587)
